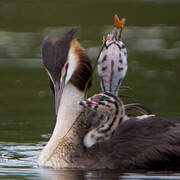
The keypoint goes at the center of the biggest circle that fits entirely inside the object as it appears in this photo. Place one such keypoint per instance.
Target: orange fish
(119, 23)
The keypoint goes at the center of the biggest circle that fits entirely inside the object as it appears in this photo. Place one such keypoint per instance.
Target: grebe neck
(69, 111)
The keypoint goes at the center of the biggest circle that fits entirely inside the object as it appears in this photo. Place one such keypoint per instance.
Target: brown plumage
(153, 143)
(84, 70)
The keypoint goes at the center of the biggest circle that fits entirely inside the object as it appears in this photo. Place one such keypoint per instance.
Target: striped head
(104, 103)
(113, 109)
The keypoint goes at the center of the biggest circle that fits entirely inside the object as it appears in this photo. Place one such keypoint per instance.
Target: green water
(27, 115)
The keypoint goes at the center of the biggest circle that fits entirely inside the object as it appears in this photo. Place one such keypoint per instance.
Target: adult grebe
(134, 144)
(69, 70)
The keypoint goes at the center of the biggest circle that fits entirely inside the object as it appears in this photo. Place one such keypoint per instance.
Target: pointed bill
(58, 88)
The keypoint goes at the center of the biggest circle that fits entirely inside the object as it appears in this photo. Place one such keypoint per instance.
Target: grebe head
(65, 62)
(104, 103)
(109, 105)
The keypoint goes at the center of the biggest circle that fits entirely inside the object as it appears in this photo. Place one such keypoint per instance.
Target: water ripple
(19, 155)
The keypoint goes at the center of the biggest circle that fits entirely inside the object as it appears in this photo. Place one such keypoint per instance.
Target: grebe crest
(66, 62)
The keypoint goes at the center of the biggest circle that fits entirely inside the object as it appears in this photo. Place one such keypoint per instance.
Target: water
(27, 115)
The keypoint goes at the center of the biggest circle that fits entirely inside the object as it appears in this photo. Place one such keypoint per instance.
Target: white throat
(69, 110)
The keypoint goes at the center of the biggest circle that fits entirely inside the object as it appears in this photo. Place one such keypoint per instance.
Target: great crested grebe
(135, 144)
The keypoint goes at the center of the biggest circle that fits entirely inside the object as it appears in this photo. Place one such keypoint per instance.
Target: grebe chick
(112, 107)
(112, 62)
(112, 65)
(114, 112)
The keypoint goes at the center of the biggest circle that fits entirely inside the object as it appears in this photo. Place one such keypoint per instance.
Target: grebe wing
(152, 143)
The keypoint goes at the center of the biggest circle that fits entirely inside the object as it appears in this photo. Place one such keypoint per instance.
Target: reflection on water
(157, 41)
(152, 37)
(19, 172)
(19, 155)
